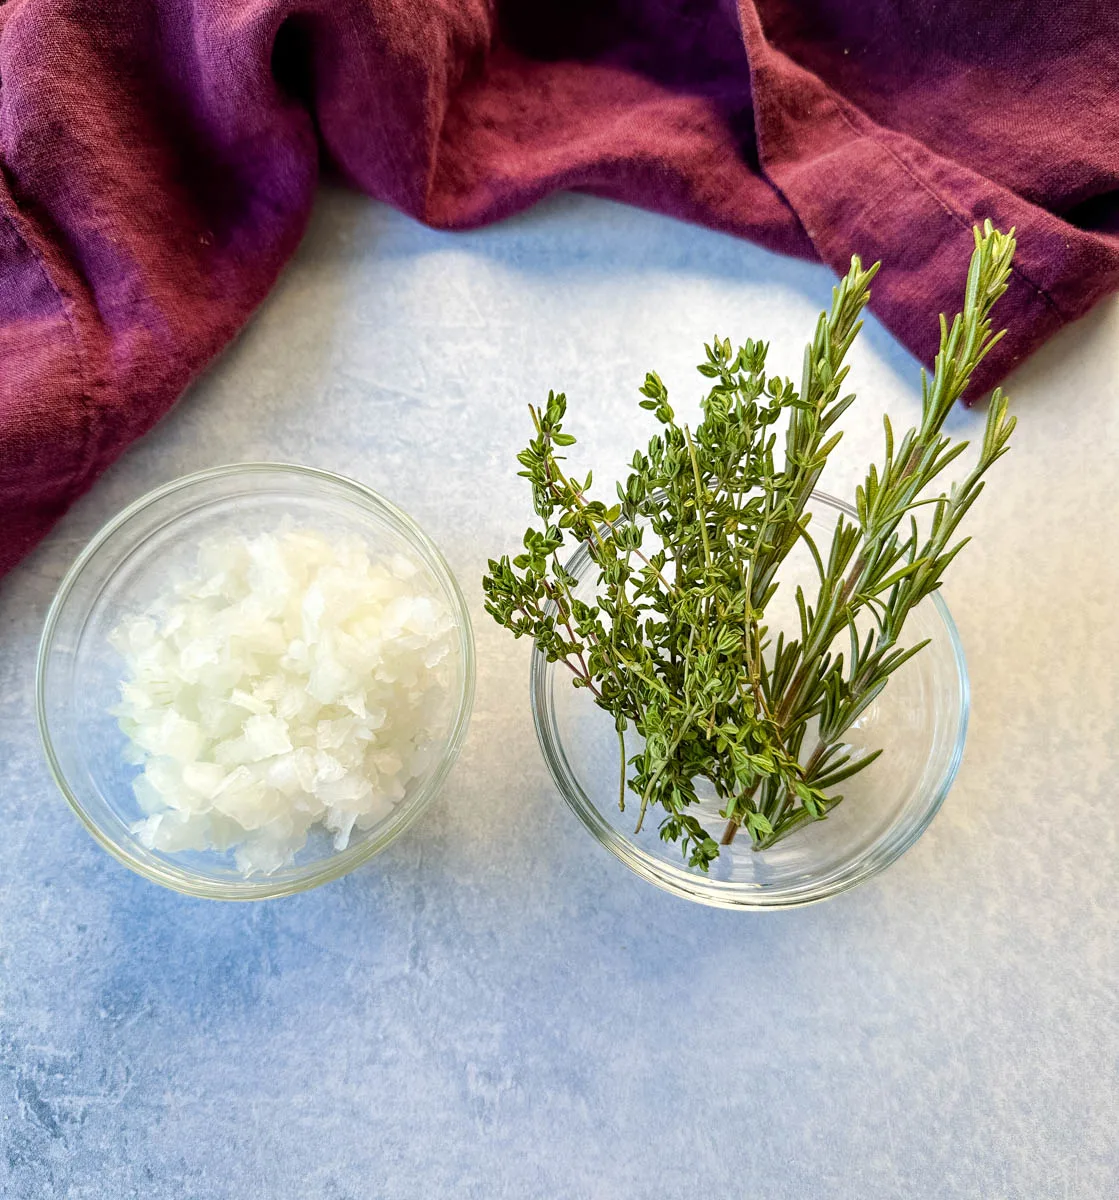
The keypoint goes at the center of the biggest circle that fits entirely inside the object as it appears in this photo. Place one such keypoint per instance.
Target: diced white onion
(293, 680)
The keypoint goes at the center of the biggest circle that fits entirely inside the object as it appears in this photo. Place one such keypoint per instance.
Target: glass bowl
(920, 720)
(124, 569)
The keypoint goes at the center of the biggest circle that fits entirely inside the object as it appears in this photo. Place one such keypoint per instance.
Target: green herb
(675, 644)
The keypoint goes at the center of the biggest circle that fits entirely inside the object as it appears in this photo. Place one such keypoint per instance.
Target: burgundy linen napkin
(160, 158)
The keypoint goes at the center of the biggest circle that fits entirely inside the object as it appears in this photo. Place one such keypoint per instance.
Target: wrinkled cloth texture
(160, 159)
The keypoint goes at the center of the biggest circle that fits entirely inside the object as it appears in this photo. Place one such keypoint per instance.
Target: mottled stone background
(495, 1007)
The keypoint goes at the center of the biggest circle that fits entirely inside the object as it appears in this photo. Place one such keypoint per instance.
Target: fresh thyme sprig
(675, 644)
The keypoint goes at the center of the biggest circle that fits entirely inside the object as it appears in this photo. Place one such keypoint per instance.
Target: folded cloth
(160, 159)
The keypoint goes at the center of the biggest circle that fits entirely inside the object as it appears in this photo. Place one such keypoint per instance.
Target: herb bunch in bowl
(676, 645)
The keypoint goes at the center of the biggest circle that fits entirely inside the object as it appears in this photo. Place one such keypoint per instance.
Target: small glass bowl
(124, 569)
(920, 720)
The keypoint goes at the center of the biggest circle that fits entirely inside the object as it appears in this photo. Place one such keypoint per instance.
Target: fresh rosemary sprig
(675, 644)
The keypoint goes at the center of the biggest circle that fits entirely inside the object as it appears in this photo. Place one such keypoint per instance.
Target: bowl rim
(720, 893)
(182, 879)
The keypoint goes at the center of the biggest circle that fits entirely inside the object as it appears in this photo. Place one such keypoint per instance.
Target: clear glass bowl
(124, 569)
(920, 720)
